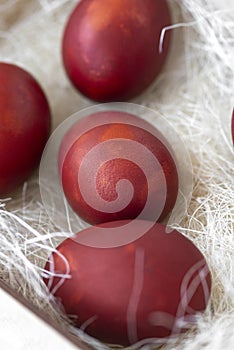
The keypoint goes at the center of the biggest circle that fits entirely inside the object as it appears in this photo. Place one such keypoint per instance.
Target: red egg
(24, 126)
(155, 287)
(112, 49)
(117, 170)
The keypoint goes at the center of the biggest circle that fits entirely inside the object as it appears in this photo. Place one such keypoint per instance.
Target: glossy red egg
(117, 170)
(24, 126)
(111, 49)
(155, 287)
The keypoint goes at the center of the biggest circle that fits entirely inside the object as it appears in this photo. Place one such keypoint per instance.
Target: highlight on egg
(113, 50)
(155, 287)
(25, 122)
(119, 168)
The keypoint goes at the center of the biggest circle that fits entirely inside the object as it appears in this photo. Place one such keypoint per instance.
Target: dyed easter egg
(118, 170)
(155, 287)
(24, 126)
(112, 49)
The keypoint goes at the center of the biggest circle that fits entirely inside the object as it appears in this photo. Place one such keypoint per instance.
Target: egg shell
(156, 186)
(24, 126)
(111, 49)
(154, 287)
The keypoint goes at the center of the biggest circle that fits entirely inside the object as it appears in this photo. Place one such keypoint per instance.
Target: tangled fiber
(195, 93)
